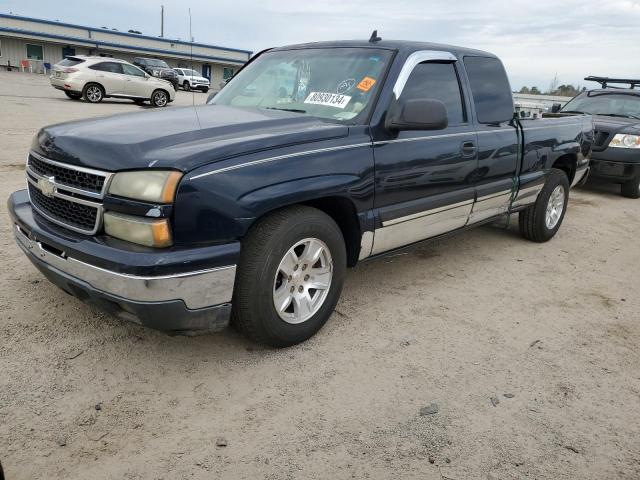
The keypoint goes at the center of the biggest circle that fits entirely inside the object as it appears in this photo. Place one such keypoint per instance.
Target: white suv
(96, 78)
(190, 80)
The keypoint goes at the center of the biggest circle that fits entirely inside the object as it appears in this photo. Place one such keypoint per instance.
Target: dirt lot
(550, 332)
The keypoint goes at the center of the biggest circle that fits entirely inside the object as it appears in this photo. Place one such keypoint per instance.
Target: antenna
(374, 37)
(161, 21)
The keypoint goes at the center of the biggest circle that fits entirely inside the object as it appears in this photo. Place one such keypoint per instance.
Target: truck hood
(178, 138)
(604, 123)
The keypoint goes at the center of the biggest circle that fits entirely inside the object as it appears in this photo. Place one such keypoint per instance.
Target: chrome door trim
(527, 196)
(415, 59)
(421, 226)
(413, 216)
(490, 206)
(366, 245)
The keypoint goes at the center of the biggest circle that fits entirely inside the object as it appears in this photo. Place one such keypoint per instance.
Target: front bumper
(614, 170)
(188, 302)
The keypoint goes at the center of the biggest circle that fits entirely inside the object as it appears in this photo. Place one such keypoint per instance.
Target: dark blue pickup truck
(313, 158)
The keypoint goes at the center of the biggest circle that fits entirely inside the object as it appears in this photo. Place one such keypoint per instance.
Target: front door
(424, 179)
(135, 82)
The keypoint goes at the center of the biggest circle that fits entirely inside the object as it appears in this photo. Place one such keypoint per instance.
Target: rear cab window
(490, 88)
(438, 81)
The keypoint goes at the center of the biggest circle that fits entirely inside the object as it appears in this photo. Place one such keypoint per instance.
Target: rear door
(423, 178)
(110, 76)
(136, 84)
(498, 151)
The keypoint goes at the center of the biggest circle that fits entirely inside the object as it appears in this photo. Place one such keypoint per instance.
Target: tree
(525, 90)
(535, 91)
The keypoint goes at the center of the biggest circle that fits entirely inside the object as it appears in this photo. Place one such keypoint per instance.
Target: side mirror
(419, 114)
(555, 108)
(211, 95)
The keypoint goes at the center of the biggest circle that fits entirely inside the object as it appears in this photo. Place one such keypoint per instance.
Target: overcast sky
(535, 39)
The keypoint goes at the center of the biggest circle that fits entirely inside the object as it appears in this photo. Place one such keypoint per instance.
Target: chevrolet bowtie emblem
(47, 185)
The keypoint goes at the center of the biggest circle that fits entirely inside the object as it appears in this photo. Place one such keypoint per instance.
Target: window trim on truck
(415, 59)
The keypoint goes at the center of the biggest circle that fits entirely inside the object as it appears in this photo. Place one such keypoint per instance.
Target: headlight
(155, 73)
(143, 231)
(622, 140)
(158, 186)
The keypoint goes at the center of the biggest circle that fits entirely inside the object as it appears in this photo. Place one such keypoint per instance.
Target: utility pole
(161, 20)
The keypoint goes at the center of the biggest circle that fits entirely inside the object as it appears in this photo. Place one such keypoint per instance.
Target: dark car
(616, 149)
(158, 68)
(313, 158)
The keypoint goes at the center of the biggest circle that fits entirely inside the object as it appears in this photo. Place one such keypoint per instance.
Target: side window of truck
(490, 89)
(440, 82)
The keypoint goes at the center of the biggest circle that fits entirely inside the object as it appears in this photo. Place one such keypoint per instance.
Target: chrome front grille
(67, 195)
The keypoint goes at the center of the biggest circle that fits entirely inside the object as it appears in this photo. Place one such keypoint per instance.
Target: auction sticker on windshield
(328, 99)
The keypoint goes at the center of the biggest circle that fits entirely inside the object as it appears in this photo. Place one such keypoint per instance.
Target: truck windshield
(612, 104)
(154, 62)
(332, 83)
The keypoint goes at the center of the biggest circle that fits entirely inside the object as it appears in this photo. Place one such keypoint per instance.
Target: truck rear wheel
(290, 276)
(631, 189)
(542, 220)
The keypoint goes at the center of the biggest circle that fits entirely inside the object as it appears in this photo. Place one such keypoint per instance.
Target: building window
(35, 52)
(227, 73)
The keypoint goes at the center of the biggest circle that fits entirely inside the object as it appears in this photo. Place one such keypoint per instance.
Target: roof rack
(605, 81)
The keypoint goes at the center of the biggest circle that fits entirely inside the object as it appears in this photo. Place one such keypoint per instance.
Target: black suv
(157, 68)
(616, 149)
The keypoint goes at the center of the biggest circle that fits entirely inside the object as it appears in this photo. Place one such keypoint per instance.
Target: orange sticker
(366, 84)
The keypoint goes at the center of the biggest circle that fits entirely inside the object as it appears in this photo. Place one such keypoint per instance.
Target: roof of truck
(400, 45)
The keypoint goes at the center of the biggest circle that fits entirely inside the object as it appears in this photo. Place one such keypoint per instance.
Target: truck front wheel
(631, 189)
(542, 220)
(290, 276)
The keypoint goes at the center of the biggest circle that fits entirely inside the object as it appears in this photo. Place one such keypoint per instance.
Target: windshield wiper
(570, 111)
(619, 115)
(294, 110)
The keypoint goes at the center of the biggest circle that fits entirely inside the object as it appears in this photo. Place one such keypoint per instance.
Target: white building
(40, 43)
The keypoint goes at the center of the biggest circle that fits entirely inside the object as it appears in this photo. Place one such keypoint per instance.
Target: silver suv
(96, 78)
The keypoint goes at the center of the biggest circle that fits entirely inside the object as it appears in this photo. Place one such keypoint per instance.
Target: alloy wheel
(555, 207)
(302, 281)
(160, 99)
(94, 93)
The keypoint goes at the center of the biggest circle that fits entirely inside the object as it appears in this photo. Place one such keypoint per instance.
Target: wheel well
(343, 212)
(94, 83)
(567, 163)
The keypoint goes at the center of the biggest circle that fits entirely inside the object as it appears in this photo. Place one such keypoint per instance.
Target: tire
(93, 93)
(204, 90)
(73, 96)
(160, 98)
(631, 189)
(186, 86)
(536, 223)
(260, 279)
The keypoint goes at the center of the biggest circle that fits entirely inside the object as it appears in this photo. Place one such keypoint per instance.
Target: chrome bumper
(197, 289)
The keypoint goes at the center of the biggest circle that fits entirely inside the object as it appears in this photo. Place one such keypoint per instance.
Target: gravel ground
(484, 356)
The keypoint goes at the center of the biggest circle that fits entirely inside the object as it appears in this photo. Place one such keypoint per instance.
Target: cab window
(438, 81)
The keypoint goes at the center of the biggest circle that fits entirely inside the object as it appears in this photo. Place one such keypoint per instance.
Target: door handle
(468, 149)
